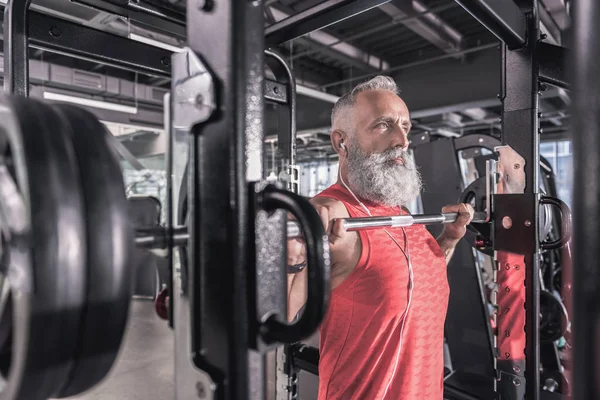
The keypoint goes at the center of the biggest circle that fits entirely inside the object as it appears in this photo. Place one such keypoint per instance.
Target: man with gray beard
(382, 336)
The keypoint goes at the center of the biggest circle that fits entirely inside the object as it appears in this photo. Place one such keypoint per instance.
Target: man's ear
(338, 141)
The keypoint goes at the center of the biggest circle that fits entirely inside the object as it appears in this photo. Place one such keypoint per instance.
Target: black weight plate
(553, 317)
(5, 313)
(475, 195)
(110, 245)
(44, 233)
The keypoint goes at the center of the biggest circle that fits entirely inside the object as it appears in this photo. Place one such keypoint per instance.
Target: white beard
(378, 179)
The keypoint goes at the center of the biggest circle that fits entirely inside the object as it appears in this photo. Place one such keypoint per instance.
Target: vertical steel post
(520, 130)
(286, 137)
(16, 54)
(227, 37)
(584, 66)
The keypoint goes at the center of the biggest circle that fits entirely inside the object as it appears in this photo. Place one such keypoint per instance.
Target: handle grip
(565, 223)
(318, 267)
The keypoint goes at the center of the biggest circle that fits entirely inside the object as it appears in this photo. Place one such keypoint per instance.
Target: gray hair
(345, 103)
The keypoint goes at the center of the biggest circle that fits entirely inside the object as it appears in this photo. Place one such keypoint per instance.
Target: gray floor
(308, 384)
(144, 369)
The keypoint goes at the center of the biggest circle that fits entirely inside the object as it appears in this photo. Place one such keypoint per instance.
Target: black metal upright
(286, 130)
(228, 36)
(585, 65)
(16, 55)
(520, 130)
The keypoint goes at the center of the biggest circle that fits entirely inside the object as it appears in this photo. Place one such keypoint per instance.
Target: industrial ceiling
(446, 63)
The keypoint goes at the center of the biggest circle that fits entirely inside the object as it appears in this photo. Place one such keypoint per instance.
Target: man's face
(379, 167)
(381, 121)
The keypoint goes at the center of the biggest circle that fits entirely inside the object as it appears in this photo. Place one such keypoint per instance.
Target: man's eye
(382, 125)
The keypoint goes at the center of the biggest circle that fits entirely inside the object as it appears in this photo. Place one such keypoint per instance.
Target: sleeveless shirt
(360, 352)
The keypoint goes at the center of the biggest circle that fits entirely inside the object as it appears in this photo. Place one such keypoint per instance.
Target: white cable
(410, 276)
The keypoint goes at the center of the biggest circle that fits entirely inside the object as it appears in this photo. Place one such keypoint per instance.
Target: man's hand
(296, 250)
(453, 232)
(296, 254)
(456, 230)
(333, 227)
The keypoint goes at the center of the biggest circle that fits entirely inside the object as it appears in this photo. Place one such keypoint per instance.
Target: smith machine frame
(527, 64)
(215, 115)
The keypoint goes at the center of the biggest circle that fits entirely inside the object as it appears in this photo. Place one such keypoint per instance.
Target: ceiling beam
(315, 17)
(502, 18)
(558, 12)
(429, 26)
(342, 51)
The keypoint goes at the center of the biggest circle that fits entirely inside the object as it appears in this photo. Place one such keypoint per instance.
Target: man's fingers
(296, 252)
(334, 227)
(470, 210)
(465, 212)
(337, 230)
(324, 214)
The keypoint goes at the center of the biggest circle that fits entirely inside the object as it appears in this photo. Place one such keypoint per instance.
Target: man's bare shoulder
(335, 208)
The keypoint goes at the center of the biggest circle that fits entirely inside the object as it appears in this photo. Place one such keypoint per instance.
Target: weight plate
(553, 317)
(110, 245)
(43, 235)
(161, 304)
(475, 195)
(6, 314)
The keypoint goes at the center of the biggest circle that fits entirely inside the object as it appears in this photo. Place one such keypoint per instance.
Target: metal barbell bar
(396, 221)
(156, 238)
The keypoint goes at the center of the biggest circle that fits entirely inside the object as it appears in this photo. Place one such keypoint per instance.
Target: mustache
(394, 154)
(391, 154)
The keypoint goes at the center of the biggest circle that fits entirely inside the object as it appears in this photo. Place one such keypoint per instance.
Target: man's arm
(296, 293)
(343, 250)
(452, 233)
(448, 246)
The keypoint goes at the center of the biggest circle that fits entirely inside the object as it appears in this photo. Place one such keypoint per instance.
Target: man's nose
(400, 139)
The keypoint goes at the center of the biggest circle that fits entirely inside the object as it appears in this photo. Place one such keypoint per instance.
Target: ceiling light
(447, 133)
(316, 94)
(90, 103)
(153, 42)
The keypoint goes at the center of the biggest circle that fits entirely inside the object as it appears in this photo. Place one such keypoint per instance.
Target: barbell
(396, 221)
(157, 238)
